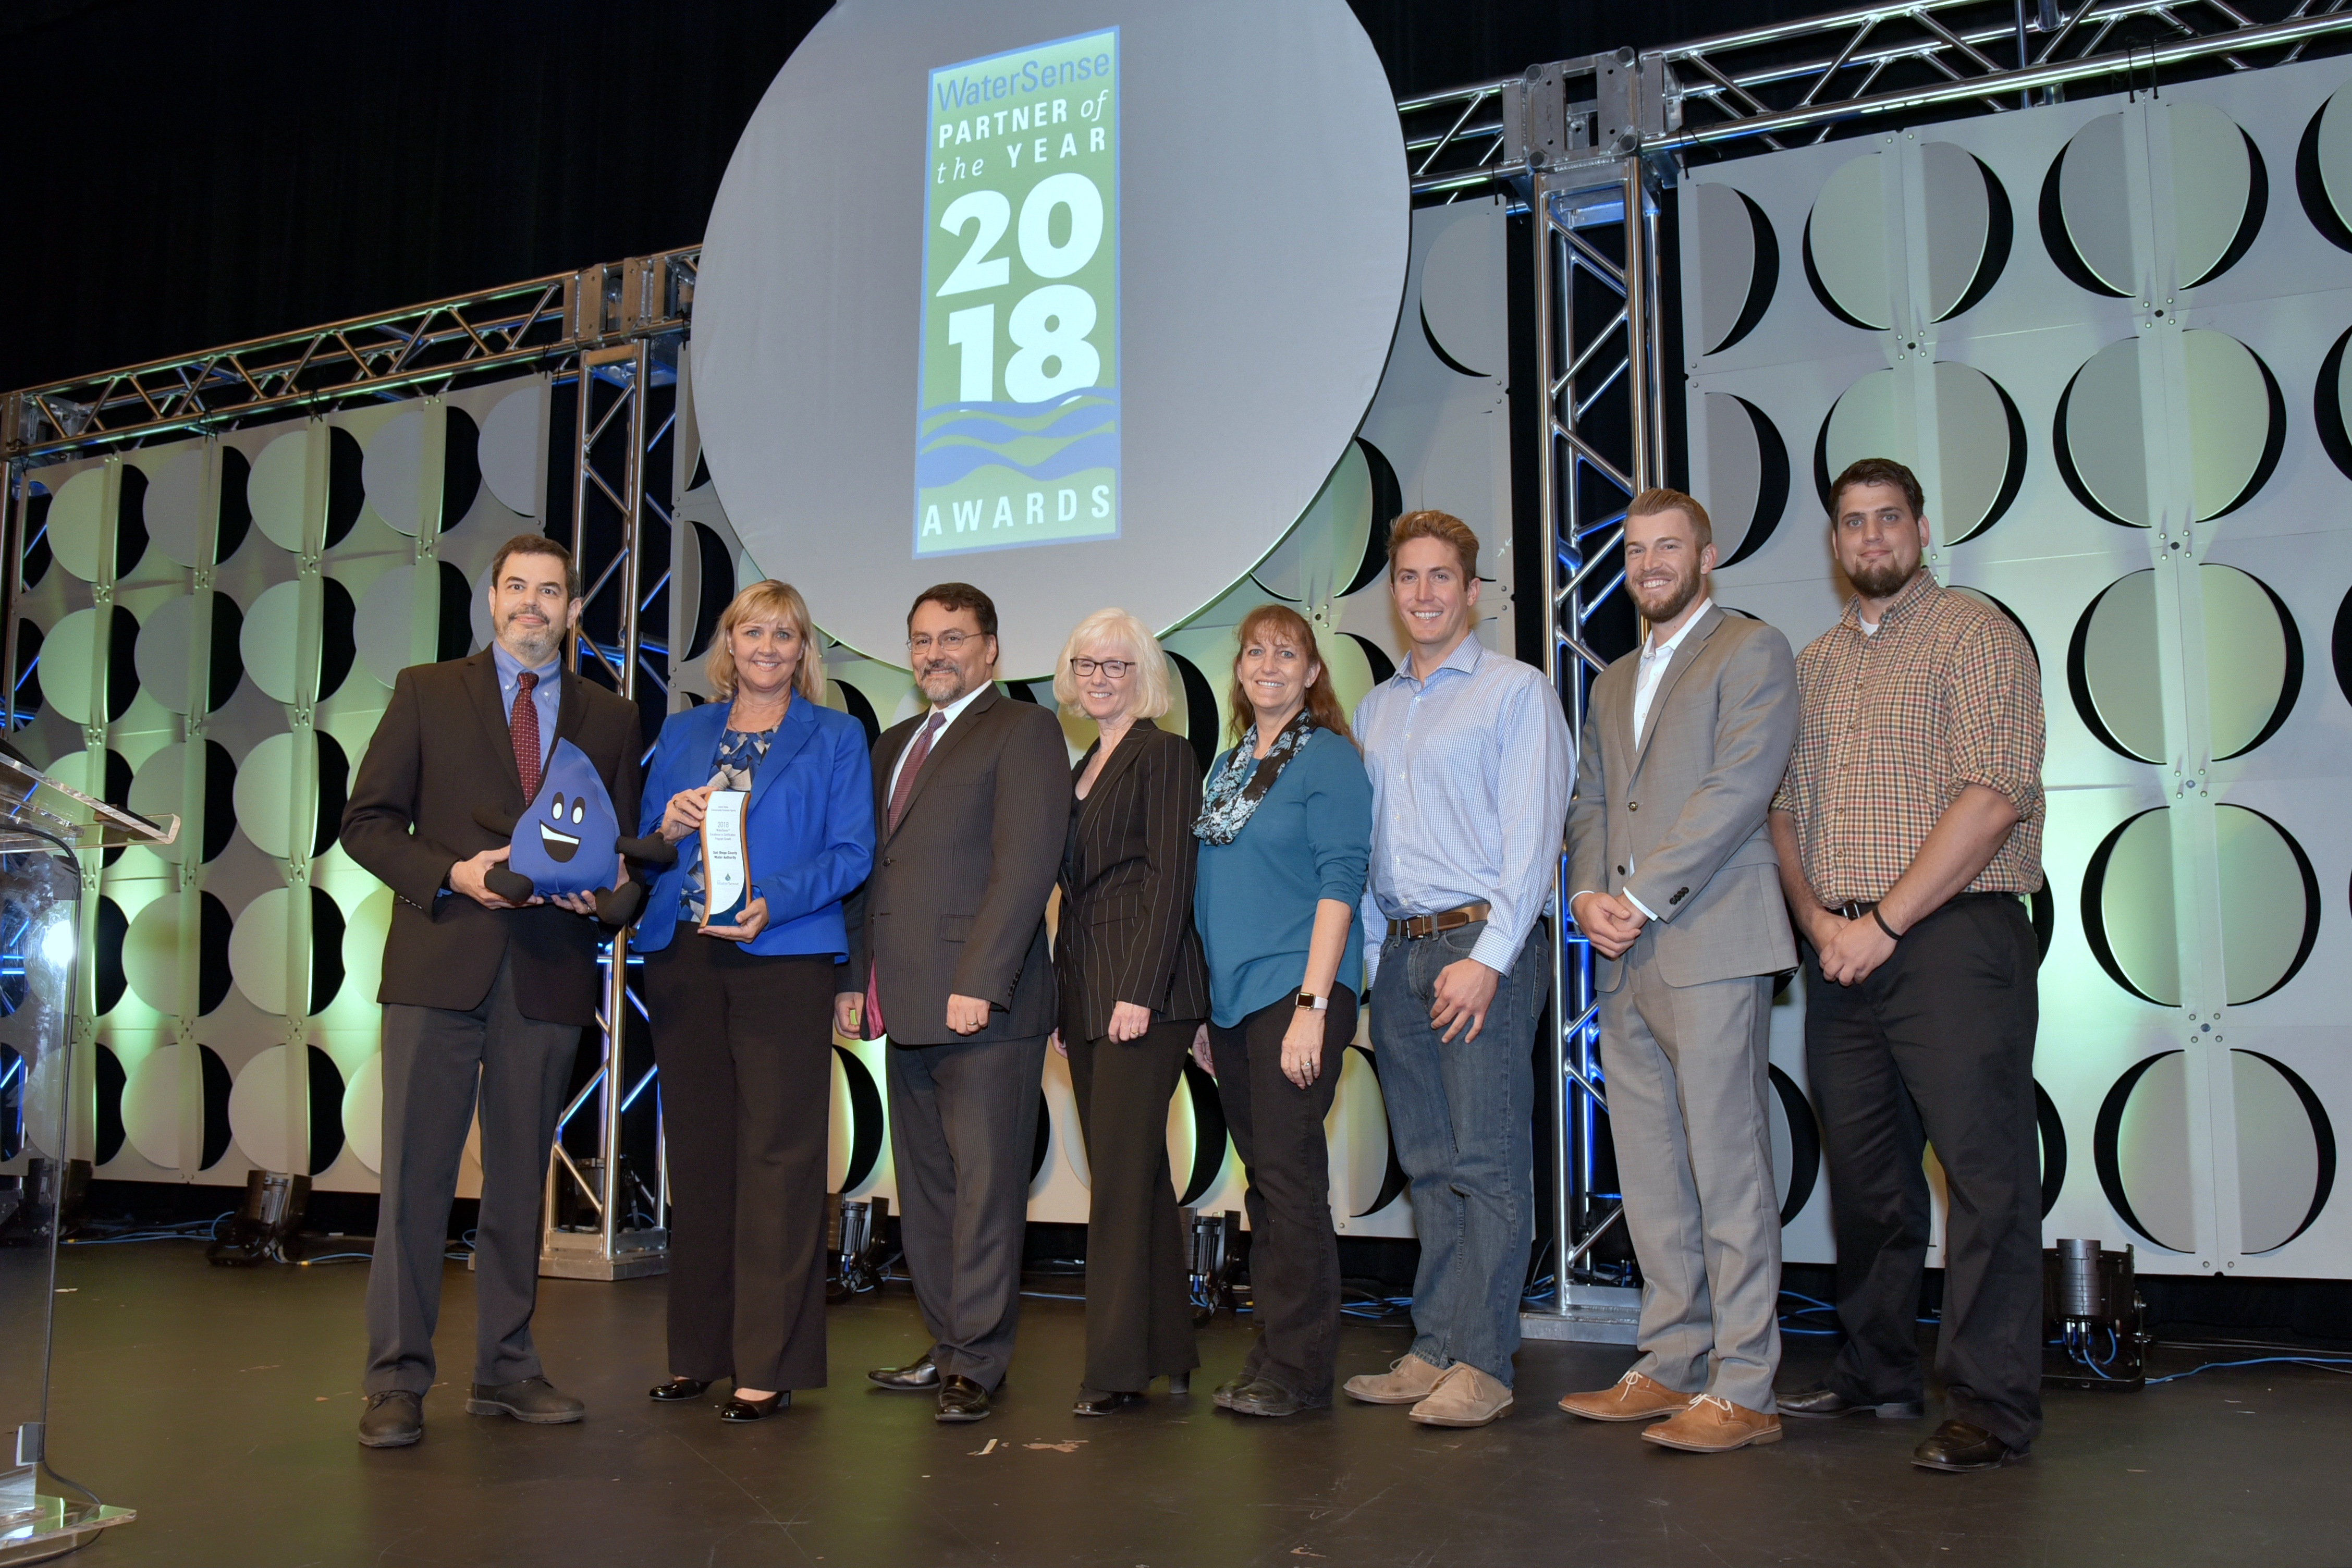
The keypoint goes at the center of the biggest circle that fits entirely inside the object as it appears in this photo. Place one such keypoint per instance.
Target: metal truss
(1764, 88)
(408, 353)
(624, 429)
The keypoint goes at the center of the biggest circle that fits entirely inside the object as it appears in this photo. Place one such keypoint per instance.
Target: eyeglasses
(1116, 668)
(949, 643)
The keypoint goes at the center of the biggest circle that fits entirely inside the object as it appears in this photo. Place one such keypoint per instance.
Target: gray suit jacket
(1687, 808)
(956, 903)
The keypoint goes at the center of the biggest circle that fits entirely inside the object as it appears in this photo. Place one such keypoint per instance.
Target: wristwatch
(1309, 999)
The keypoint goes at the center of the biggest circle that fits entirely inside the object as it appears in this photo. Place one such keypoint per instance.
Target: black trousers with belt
(745, 1044)
(1138, 1311)
(1935, 1046)
(1277, 1128)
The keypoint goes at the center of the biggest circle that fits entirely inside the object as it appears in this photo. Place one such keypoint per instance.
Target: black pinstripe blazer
(1125, 931)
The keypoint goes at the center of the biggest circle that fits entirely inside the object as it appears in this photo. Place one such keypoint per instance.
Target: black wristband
(1892, 934)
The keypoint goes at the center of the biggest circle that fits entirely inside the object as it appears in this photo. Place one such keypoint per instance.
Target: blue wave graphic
(1082, 429)
(946, 465)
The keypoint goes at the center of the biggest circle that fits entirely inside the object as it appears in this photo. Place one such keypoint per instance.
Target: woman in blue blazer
(743, 1008)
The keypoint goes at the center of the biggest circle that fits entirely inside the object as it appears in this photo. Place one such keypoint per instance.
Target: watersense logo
(1017, 419)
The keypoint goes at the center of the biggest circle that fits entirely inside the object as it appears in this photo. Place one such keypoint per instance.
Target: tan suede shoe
(1713, 1424)
(1631, 1397)
(1464, 1396)
(1407, 1380)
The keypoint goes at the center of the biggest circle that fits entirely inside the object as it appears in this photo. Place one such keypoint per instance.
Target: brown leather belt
(1420, 926)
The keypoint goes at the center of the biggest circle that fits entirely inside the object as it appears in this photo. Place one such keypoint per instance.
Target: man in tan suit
(1685, 741)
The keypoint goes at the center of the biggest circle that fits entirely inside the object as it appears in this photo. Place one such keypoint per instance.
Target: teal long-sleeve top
(1253, 900)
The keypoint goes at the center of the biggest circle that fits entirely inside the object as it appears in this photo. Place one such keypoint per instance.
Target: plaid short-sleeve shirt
(1945, 694)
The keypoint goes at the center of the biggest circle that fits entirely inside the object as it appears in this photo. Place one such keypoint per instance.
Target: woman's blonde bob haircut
(1115, 629)
(768, 601)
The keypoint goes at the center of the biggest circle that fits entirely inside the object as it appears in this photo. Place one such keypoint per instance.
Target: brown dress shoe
(1407, 1380)
(1631, 1397)
(1464, 1396)
(1713, 1424)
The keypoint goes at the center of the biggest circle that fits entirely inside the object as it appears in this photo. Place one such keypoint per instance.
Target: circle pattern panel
(1746, 476)
(2267, 931)
(2220, 190)
(1846, 250)
(1980, 443)
(2237, 428)
(2254, 663)
(1743, 265)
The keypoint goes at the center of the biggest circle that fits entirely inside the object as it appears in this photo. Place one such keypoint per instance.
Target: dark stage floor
(220, 1405)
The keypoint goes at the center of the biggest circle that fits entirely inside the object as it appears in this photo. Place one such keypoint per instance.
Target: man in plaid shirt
(1909, 829)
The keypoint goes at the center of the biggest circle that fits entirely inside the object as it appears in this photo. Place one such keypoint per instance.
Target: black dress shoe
(395, 1419)
(1102, 1402)
(1962, 1445)
(742, 1409)
(1828, 1405)
(915, 1374)
(1266, 1397)
(962, 1399)
(533, 1401)
(1223, 1395)
(678, 1388)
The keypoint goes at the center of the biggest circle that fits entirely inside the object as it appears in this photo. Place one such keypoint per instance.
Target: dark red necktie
(524, 722)
(901, 792)
(904, 790)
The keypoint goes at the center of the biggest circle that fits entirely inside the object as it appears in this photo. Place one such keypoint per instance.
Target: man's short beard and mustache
(1882, 581)
(1676, 600)
(546, 638)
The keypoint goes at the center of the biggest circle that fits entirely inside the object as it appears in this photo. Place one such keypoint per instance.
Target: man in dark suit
(476, 989)
(947, 938)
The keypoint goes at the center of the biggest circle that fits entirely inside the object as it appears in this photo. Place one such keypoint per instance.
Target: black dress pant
(1138, 1309)
(745, 1044)
(963, 1136)
(1277, 1128)
(1936, 1046)
(437, 1062)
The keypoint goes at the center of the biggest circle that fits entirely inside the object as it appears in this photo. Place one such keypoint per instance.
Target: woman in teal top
(1286, 831)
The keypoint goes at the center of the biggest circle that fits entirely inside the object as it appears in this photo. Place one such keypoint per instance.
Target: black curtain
(192, 175)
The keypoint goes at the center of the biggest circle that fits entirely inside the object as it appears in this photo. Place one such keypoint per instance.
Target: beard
(1670, 602)
(1882, 581)
(542, 641)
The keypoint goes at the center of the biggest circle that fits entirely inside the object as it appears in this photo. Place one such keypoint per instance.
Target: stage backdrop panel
(211, 627)
(2108, 335)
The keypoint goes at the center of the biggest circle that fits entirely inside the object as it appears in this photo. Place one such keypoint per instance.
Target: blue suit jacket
(810, 823)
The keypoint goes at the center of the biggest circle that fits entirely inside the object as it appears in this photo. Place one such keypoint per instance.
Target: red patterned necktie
(524, 722)
(901, 792)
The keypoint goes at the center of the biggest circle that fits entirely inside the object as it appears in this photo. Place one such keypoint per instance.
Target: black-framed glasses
(947, 642)
(1116, 668)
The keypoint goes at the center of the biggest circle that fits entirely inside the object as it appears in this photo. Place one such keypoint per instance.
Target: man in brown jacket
(947, 939)
(477, 991)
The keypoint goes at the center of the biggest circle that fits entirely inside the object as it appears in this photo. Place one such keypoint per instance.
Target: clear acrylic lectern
(50, 840)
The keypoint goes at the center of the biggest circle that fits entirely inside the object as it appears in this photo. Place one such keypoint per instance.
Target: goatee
(1883, 581)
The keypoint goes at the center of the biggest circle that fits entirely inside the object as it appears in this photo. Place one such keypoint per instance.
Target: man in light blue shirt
(1471, 767)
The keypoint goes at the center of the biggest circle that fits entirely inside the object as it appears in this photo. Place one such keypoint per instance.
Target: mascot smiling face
(568, 839)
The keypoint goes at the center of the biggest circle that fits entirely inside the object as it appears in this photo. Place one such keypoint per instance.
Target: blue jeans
(1459, 1118)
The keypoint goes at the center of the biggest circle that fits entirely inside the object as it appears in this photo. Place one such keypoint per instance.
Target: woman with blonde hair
(1134, 990)
(1286, 831)
(742, 1002)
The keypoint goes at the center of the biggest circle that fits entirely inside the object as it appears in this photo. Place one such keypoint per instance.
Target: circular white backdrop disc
(1258, 225)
